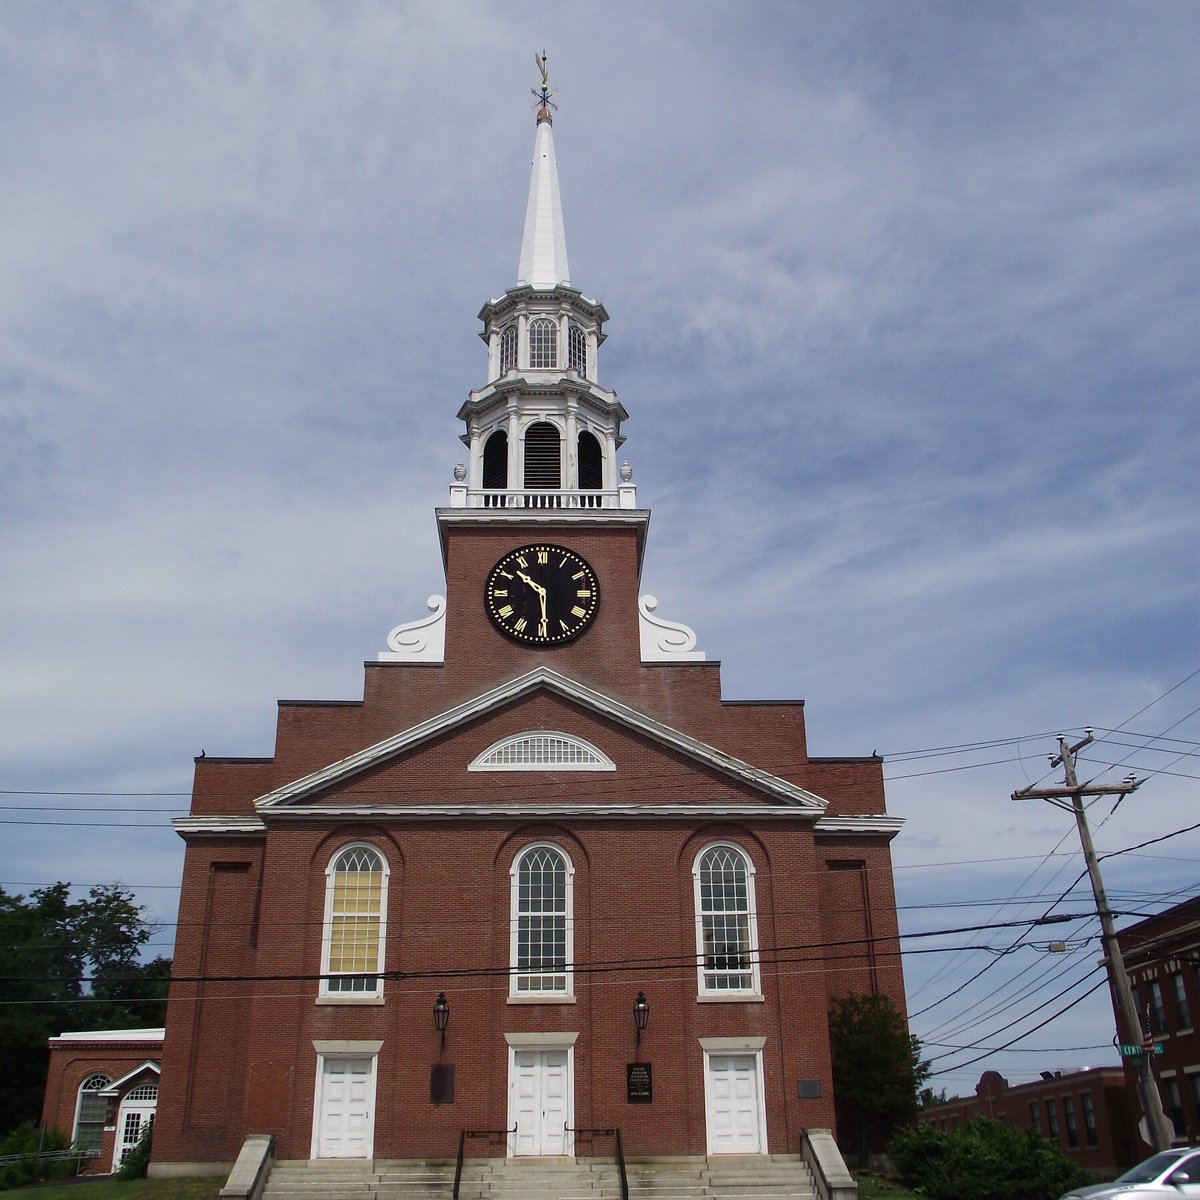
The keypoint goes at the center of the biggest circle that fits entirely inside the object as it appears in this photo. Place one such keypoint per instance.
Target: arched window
(495, 467)
(355, 903)
(591, 468)
(543, 457)
(90, 1112)
(726, 933)
(577, 349)
(541, 922)
(508, 349)
(543, 342)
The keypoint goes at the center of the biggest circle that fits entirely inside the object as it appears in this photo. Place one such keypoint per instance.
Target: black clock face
(542, 595)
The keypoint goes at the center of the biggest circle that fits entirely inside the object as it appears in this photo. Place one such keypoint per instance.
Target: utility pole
(1070, 796)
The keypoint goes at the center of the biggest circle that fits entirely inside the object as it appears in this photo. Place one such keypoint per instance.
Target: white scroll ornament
(423, 640)
(664, 641)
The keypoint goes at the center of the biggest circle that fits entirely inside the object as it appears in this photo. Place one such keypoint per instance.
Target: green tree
(877, 1070)
(68, 964)
(986, 1160)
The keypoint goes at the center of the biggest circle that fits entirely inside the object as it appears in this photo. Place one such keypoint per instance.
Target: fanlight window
(508, 349)
(542, 752)
(356, 890)
(577, 349)
(541, 920)
(90, 1113)
(727, 941)
(543, 342)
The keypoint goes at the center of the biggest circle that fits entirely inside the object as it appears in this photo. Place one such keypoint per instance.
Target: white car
(1171, 1174)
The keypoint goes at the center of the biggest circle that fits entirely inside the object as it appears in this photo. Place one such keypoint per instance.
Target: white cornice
(217, 825)
(867, 824)
(111, 1035)
(779, 790)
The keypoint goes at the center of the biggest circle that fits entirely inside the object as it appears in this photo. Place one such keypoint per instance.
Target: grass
(875, 1187)
(121, 1189)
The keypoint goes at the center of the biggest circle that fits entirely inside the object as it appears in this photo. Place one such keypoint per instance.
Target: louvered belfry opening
(543, 464)
(591, 470)
(495, 467)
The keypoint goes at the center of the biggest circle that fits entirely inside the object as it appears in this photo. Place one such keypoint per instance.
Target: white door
(345, 1102)
(540, 1105)
(735, 1111)
(136, 1112)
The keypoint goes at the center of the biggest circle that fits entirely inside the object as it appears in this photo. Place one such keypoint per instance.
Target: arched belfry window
(541, 922)
(577, 349)
(726, 932)
(90, 1112)
(508, 349)
(543, 342)
(590, 460)
(355, 904)
(543, 457)
(495, 467)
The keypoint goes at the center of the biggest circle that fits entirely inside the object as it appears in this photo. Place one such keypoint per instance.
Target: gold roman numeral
(506, 611)
(578, 612)
(519, 625)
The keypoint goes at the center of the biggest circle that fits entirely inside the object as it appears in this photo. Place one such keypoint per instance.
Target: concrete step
(775, 1178)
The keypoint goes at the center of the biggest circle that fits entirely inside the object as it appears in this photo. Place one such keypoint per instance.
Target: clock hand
(537, 587)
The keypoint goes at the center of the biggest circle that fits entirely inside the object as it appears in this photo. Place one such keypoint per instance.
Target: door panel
(734, 1108)
(346, 1122)
(540, 1101)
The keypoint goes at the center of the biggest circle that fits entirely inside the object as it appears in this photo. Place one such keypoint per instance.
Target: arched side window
(508, 349)
(355, 907)
(726, 929)
(541, 922)
(90, 1112)
(543, 457)
(577, 349)
(495, 467)
(591, 468)
(543, 342)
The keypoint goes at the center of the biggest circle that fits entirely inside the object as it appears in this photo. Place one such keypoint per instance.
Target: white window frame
(82, 1091)
(516, 974)
(369, 994)
(542, 347)
(753, 988)
(529, 751)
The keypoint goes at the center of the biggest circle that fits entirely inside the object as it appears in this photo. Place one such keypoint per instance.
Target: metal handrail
(463, 1134)
(620, 1152)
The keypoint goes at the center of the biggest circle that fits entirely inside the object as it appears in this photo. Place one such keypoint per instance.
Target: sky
(904, 312)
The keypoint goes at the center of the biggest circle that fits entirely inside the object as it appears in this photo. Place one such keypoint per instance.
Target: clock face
(541, 595)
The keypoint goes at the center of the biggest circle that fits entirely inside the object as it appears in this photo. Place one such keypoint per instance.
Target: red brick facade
(247, 1027)
(125, 1060)
(1089, 1114)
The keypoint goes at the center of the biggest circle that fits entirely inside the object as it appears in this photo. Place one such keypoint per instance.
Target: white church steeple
(542, 433)
(544, 245)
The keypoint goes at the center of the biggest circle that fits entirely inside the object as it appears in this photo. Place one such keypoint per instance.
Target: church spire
(543, 261)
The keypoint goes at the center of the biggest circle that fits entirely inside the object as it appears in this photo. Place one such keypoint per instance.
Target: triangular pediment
(304, 795)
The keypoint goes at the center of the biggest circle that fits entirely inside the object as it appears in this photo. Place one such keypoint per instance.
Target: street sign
(1132, 1049)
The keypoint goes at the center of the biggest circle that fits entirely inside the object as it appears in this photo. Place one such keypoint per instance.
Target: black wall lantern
(641, 1014)
(441, 1014)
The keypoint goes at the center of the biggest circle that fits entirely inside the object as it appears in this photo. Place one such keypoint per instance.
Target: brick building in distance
(1162, 958)
(1090, 1114)
(448, 906)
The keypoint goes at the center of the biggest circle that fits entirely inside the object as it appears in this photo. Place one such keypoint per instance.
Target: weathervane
(543, 94)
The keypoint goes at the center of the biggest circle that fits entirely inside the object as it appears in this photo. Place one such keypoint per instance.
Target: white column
(516, 477)
(572, 446)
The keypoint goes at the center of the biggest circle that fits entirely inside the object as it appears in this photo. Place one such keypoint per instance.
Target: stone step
(777, 1178)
